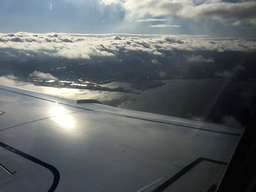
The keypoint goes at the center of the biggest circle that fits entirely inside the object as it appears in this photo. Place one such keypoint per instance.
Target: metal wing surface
(54, 144)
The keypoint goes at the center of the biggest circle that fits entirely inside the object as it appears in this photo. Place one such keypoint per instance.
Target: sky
(215, 18)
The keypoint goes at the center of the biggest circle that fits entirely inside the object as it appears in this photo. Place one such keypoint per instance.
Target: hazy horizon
(215, 18)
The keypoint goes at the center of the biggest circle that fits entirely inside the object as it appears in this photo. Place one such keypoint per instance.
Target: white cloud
(11, 80)
(238, 13)
(175, 26)
(82, 46)
(42, 76)
(152, 20)
(200, 59)
(234, 13)
(229, 74)
(153, 7)
(63, 45)
(8, 80)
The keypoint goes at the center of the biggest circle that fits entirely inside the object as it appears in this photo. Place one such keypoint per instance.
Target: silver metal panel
(95, 150)
(19, 109)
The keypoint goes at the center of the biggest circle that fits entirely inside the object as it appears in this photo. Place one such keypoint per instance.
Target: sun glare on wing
(62, 117)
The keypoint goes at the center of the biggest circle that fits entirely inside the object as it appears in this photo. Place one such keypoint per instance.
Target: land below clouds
(184, 76)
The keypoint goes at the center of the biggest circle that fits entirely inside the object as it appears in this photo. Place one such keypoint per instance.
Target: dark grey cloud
(67, 40)
(10, 35)
(173, 40)
(55, 35)
(16, 39)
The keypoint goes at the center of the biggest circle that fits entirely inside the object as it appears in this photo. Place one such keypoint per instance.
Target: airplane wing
(54, 144)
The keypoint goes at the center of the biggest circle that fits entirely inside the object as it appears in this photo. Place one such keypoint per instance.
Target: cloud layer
(236, 13)
(78, 46)
(123, 56)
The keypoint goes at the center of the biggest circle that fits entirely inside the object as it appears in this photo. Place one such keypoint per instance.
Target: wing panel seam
(184, 171)
(54, 171)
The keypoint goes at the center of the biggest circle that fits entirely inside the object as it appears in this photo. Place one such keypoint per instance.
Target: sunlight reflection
(62, 117)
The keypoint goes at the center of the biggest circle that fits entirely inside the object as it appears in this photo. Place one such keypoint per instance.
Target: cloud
(225, 74)
(174, 26)
(172, 40)
(16, 39)
(8, 80)
(239, 68)
(231, 121)
(125, 57)
(236, 13)
(11, 80)
(83, 46)
(154, 7)
(200, 59)
(109, 2)
(162, 74)
(67, 40)
(152, 20)
(56, 45)
(117, 38)
(42, 76)
(155, 61)
(229, 74)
